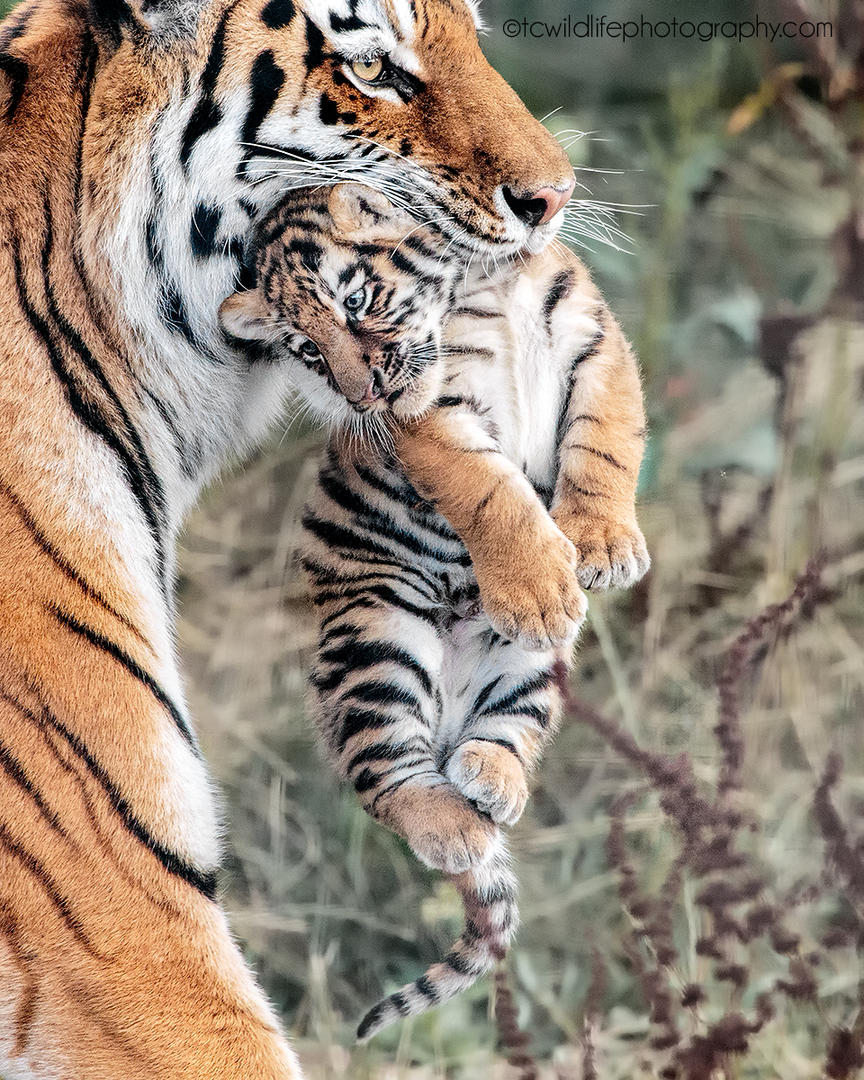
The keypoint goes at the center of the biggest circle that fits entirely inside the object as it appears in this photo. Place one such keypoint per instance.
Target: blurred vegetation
(738, 172)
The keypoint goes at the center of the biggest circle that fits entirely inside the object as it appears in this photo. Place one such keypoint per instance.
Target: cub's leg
(524, 564)
(377, 690)
(600, 451)
(510, 708)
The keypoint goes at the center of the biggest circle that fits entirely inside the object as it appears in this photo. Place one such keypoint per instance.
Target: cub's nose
(537, 207)
(375, 388)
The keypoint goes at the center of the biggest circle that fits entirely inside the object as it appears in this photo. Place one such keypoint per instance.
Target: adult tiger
(139, 141)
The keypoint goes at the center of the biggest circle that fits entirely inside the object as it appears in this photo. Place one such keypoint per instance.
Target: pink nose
(375, 388)
(555, 199)
(537, 207)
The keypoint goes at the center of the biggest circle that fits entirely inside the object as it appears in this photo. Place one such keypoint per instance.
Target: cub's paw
(442, 827)
(490, 776)
(532, 595)
(611, 554)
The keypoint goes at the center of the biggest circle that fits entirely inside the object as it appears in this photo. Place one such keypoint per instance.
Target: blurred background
(686, 917)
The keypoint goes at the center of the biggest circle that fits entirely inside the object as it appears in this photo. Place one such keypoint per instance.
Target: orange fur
(112, 965)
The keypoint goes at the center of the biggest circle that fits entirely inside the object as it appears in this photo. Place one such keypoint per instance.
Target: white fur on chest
(521, 372)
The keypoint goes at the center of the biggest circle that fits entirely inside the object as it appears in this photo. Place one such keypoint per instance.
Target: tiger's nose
(534, 208)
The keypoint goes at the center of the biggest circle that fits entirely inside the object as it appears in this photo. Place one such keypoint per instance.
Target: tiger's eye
(309, 348)
(368, 70)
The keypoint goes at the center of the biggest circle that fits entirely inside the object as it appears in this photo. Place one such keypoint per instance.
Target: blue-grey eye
(355, 301)
(309, 348)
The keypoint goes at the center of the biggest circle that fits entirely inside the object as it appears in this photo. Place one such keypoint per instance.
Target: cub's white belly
(516, 365)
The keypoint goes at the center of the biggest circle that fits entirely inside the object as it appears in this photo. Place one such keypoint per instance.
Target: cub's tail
(491, 916)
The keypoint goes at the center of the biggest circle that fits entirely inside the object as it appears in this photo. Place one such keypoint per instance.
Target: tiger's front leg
(524, 564)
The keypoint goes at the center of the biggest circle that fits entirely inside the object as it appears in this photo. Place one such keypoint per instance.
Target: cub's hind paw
(611, 554)
(491, 776)
(442, 827)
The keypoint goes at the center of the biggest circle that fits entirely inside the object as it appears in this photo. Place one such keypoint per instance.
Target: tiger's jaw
(438, 130)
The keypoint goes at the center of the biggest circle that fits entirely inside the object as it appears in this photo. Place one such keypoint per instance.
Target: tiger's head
(205, 116)
(355, 294)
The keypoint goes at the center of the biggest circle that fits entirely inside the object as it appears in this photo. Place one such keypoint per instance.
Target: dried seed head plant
(697, 1029)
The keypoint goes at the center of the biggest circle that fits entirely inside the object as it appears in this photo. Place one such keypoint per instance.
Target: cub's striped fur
(434, 707)
(141, 141)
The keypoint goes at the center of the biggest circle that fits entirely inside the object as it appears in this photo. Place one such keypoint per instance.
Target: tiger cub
(446, 566)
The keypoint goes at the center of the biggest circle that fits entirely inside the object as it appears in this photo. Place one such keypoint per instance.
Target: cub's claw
(611, 554)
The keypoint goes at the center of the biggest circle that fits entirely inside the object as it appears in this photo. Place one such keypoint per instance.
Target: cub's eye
(309, 348)
(355, 301)
(368, 70)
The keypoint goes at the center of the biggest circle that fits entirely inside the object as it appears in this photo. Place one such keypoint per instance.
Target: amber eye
(368, 70)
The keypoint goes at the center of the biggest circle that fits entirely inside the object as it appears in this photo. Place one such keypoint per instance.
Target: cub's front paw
(490, 776)
(611, 554)
(532, 595)
(442, 827)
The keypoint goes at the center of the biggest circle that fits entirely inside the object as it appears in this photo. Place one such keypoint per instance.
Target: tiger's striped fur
(434, 707)
(140, 143)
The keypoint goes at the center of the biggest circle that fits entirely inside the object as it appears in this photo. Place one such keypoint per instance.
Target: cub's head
(354, 292)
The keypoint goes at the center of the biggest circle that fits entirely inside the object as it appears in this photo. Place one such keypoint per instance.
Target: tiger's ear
(153, 21)
(361, 213)
(245, 315)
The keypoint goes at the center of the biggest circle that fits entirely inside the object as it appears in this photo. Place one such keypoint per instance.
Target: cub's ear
(245, 315)
(362, 213)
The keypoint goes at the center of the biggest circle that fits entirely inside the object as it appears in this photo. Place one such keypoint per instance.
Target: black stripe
(459, 964)
(17, 72)
(314, 46)
(476, 313)
(483, 696)
(207, 113)
(64, 565)
(359, 654)
(88, 412)
(16, 772)
(597, 453)
(205, 883)
(355, 721)
(131, 665)
(371, 1020)
(426, 987)
(401, 261)
(561, 285)
(382, 752)
(278, 14)
(203, 230)
(523, 690)
(265, 83)
(49, 886)
(380, 692)
(341, 576)
(352, 22)
(146, 485)
(399, 1003)
(377, 521)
